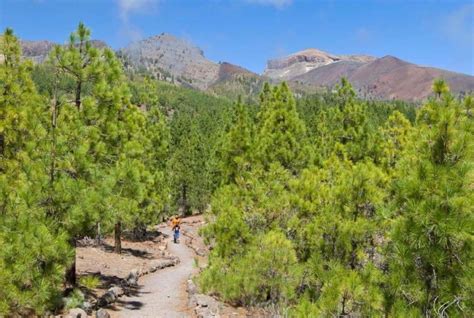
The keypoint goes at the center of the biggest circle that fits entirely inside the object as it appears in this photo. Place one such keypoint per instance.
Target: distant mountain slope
(386, 78)
(38, 50)
(234, 81)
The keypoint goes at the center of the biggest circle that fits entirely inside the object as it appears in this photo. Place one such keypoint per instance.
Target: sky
(249, 32)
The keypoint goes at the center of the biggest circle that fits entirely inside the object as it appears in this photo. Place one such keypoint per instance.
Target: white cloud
(279, 4)
(128, 7)
(458, 26)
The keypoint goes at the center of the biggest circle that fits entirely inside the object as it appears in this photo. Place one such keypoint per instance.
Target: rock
(102, 313)
(76, 313)
(206, 306)
(132, 278)
(86, 241)
(88, 307)
(201, 251)
(106, 299)
(191, 289)
(117, 291)
(160, 264)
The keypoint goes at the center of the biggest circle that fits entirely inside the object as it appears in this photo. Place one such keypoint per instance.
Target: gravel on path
(163, 293)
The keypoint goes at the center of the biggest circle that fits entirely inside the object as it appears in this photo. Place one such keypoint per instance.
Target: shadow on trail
(128, 251)
(132, 305)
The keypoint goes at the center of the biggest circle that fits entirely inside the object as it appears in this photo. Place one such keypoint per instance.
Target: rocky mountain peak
(167, 56)
(313, 57)
(166, 41)
(301, 62)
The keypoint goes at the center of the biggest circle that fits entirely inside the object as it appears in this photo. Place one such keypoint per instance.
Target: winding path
(163, 293)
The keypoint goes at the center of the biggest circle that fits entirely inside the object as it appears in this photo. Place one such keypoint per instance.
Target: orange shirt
(175, 222)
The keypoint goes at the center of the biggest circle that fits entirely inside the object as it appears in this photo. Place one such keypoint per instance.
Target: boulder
(76, 313)
(102, 313)
(191, 289)
(88, 307)
(201, 251)
(132, 278)
(117, 291)
(205, 306)
(106, 299)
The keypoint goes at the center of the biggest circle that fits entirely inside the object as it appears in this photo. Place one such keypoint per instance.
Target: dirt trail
(163, 293)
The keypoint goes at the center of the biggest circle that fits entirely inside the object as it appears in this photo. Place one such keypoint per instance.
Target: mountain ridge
(179, 61)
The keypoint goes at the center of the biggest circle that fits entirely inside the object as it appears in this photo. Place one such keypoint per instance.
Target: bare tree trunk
(2, 144)
(99, 238)
(118, 241)
(185, 200)
(54, 113)
(78, 94)
(71, 271)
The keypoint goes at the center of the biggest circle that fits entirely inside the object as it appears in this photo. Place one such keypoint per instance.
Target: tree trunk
(71, 271)
(185, 200)
(78, 94)
(118, 241)
(1, 144)
(52, 169)
(54, 108)
(353, 257)
(99, 238)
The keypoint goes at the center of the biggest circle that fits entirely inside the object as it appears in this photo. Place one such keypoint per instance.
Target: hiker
(175, 227)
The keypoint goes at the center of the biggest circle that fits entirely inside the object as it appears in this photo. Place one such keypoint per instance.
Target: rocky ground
(103, 262)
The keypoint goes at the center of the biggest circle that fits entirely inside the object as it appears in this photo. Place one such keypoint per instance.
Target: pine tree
(440, 87)
(324, 138)
(155, 160)
(253, 261)
(186, 168)
(282, 134)
(237, 144)
(33, 251)
(394, 139)
(266, 97)
(87, 137)
(78, 60)
(335, 232)
(354, 133)
(431, 257)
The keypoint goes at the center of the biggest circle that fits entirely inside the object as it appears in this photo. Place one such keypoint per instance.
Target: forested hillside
(318, 206)
(359, 213)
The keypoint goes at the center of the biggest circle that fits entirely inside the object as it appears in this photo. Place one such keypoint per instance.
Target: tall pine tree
(431, 262)
(237, 145)
(282, 134)
(33, 251)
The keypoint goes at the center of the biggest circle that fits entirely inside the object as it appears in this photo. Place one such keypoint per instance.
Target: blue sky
(248, 32)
